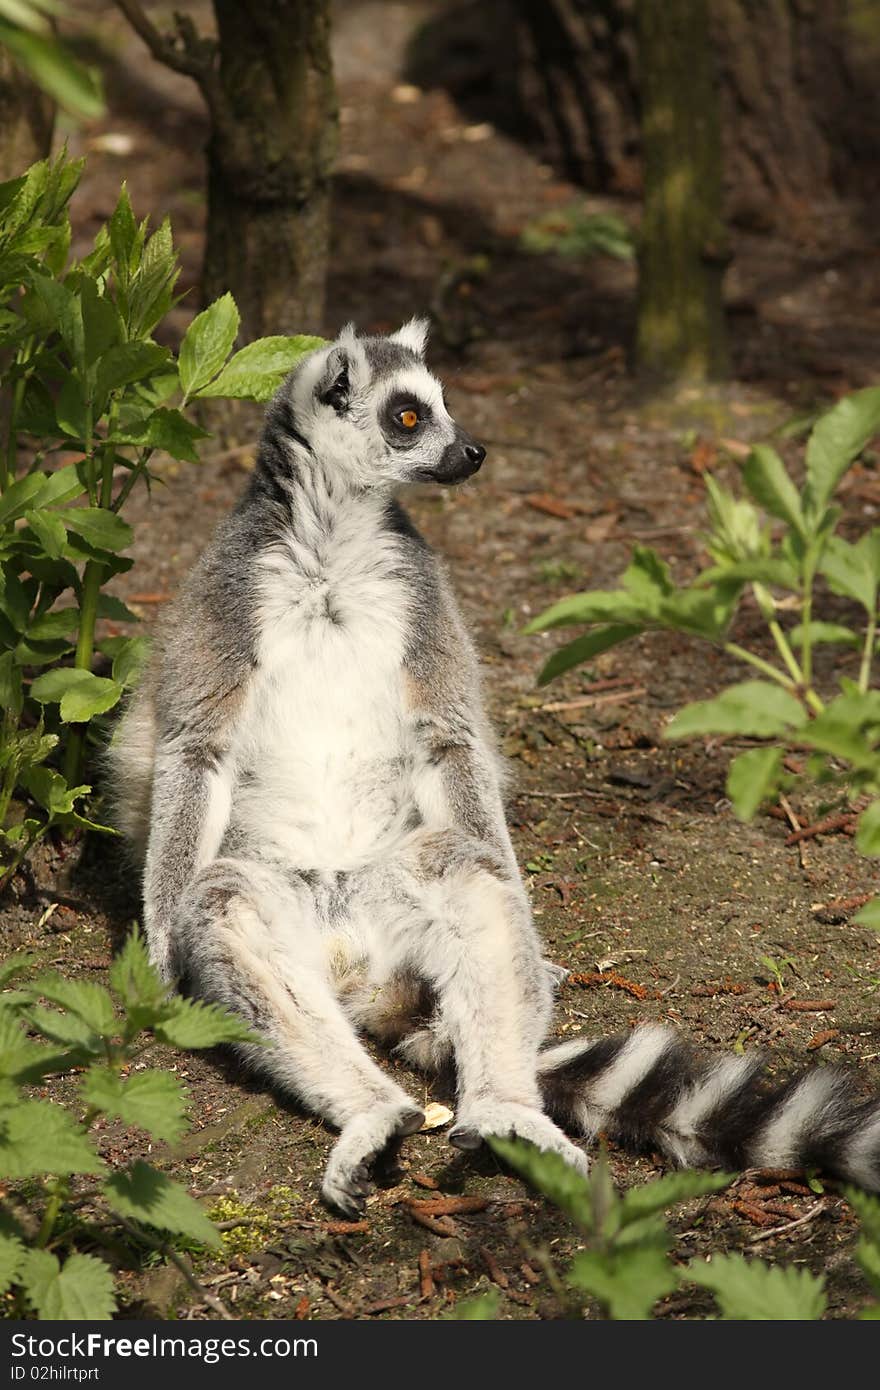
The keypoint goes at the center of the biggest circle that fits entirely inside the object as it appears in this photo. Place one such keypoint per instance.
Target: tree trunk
(680, 333)
(798, 89)
(270, 157)
(27, 118)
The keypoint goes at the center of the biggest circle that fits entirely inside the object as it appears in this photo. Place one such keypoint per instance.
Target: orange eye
(409, 419)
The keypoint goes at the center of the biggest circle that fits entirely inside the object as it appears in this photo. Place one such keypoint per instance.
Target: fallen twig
(612, 979)
(614, 697)
(496, 1273)
(845, 822)
(427, 1287)
(446, 1206)
(809, 1006)
(790, 1225)
(826, 1035)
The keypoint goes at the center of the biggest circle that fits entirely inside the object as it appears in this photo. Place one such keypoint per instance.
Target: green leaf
(63, 1028)
(627, 1281)
(597, 607)
(130, 660)
(99, 527)
(869, 915)
(146, 1195)
(753, 777)
(64, 306)
(11, 695)
(481, 1309)
(20, 496)
(134, 978)
(207, 343)
(129, 362)
(152, 1100)
(192, 1023)
(550, 1174)
(55, 70)
(49, 530)
(838, 438)
(72, 409)
(765, 476)
(14, 965)
(653, 1198)
(647, 577)
(824, 633)
(81, 1290)
(59, 622)
(583, 648)
(167, 430)
(50, 790)
(80, 693)
(758, 1292)
(868, 830)
(85, 998)
(256, 372)
(12, 1254)
(38, 1137)
(755, 709)
(849, 571)
(101, 326)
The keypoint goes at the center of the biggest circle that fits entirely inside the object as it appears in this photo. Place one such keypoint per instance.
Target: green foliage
(25, 30)
(84, 378)
(626, 1265)
(750, 1290)
(46, 1149)
(771, 546)
(573, 232)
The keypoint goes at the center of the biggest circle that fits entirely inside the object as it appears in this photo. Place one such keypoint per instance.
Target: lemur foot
(368, 1142)
(508, 1120)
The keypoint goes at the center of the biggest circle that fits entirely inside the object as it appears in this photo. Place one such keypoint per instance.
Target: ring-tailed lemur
(309, 772)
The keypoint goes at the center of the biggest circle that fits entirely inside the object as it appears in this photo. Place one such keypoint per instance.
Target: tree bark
(797, 83)
(27, 119)
(680, 333)
(267, 80)
(270, 158)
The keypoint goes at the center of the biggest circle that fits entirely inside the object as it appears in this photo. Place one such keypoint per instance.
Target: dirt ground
(636, 865)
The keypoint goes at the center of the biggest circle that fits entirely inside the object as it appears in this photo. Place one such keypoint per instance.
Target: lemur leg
(477, 949)
(250, 938)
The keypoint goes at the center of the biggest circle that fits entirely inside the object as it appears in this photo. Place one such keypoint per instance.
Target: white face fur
(370, 409)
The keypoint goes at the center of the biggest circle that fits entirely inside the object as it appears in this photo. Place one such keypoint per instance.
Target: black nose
(474, 453)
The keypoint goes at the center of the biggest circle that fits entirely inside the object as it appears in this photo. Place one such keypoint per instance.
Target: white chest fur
(324, 762)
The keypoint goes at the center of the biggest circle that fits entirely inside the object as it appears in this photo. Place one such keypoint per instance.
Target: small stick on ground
(845, 822)
(496, 1273)
(616, 697)
(810, 1006)
(427, 1287)
(796, 827)
(790, 1225)
(446, 1206)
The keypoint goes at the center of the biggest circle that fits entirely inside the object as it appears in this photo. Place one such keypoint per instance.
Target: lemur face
(370, 408)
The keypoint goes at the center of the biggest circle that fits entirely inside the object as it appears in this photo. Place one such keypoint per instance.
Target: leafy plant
(777, 563)
(572, 231)
(52, 1173)
(90, 398)
(26, 31)
(626, 1265)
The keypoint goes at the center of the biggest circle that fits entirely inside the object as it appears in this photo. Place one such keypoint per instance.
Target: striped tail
(649, 1090)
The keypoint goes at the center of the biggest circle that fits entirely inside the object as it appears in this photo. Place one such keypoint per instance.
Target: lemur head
(369, 409)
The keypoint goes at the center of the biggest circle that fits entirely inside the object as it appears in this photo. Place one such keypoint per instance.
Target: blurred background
(496, 163)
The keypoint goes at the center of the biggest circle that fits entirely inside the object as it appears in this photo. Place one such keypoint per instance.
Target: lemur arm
(204, 666)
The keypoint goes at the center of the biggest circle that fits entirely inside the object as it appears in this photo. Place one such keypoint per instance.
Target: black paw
(465, 1139)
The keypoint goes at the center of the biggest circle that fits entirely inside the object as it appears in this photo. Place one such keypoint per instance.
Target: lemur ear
(345, 372)
(413, 335)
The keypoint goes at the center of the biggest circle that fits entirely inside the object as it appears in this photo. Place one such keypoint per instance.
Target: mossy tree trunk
(268, 83)
(270, 160)
(681, 331)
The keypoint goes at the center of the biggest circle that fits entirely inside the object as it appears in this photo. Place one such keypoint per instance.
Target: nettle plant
(89, 397)
(626, 1264)
(778, 565)
(59, 1199)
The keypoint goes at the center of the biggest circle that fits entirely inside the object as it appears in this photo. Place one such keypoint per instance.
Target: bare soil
(637, 867)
